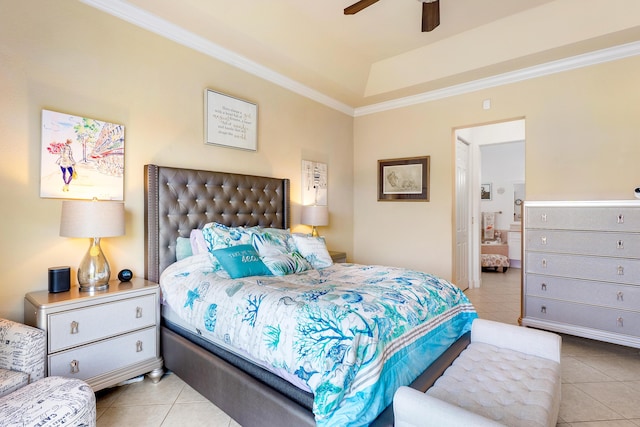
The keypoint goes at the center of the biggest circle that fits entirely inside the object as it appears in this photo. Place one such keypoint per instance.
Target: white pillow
(313, 249)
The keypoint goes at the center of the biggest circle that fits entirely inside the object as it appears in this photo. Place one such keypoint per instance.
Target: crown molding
(143, 19)
(565, 64)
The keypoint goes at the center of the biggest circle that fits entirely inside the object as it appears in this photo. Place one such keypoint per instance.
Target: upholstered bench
(507, 376)
(51, 401)
(494, 261)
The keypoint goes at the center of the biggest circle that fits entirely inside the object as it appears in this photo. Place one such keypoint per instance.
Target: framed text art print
(404, 179)
(229, 121)
(81, 158)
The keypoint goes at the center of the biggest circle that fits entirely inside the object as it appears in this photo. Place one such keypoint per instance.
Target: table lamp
(315, 215)
(94, 219)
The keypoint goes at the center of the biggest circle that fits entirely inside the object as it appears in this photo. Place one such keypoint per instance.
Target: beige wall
(582, 143)
(68, 57)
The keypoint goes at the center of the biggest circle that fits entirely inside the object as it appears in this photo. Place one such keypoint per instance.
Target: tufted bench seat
(52, 401)
(494, 261)
(507, 376)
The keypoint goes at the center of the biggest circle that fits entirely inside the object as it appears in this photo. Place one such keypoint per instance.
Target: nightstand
(103, 337)
(338, 256)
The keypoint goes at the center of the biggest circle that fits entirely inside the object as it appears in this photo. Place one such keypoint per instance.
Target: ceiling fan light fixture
(430, 14)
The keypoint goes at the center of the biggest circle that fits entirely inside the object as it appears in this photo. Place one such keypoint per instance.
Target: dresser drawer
(598, 243)
(602, 318)
(615, 270)
(610, 218)
(626, 297)
(105, 356)
(80, 326)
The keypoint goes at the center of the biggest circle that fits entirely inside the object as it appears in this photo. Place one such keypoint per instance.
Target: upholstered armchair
(22, 353)
(27, 399)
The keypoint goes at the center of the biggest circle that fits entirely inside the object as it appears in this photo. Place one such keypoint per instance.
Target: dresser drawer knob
(543, 240)
(620, 322)
(620, 270)
(543, 286)
(74, 327)
(620, 219)
(620, 244)
(543, 217)
(75, 366)
(138, 346)
(620, 296)
(544, 263)
(543, 309)
(138, 312)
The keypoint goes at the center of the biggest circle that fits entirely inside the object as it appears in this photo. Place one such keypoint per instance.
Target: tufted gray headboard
(178, 200)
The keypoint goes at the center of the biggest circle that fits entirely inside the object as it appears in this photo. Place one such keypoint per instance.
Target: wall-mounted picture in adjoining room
(485, 192)
(81, 158)
(314, 183)
(404, 179)
(230, 122)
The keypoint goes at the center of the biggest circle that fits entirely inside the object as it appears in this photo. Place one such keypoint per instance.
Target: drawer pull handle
(621, 322)
(138, 312)
(74, 327)
(543, 309)
(620, 270)
(543, 240)
(75, 366)
(620, 296)
(138, 346)
(543, 217)
(620, 219)
(620, 244)
(543, 286)
(544, 263)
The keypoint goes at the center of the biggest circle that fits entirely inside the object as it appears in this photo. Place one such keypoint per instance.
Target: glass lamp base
(94, 272)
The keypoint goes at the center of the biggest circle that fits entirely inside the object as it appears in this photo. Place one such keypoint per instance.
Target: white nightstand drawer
(105, 356)
(80, 326)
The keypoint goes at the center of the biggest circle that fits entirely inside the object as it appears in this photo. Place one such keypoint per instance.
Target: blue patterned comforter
(352, 333)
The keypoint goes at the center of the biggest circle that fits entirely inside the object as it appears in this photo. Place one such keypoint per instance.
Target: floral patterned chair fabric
(52, 401)
(22, 353)
(495, 261)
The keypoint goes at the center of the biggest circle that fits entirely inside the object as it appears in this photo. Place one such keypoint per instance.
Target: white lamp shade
(84, 218)
(315, 215)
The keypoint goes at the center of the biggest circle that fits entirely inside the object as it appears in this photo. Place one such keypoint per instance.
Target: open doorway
(493, 183)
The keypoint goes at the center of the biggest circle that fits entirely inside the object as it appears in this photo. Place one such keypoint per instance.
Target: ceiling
(380, 53)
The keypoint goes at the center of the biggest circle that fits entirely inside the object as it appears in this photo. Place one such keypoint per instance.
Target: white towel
(488, 225)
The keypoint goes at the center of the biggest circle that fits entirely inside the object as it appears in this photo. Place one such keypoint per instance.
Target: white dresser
(582, 269)
(101, 337)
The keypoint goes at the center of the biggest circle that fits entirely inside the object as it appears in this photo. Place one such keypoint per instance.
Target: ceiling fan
(430, 12)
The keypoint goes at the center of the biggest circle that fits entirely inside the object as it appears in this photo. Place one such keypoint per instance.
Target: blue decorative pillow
(271, 241)
(241, 261)
(313, 249)
(283, 264)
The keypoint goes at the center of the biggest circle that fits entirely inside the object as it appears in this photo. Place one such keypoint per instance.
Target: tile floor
(601, 382)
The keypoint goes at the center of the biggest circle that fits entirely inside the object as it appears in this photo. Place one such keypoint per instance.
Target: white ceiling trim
(140, 18)
(565, 64)
(136, 16)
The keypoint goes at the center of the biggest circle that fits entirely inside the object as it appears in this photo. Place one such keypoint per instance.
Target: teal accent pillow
(241, 261)
(183, 248)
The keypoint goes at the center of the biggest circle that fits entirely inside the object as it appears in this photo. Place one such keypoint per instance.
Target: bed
(179, 200)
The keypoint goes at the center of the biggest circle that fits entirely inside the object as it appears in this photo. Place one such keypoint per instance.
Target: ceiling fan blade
(430, 15)
(358, 6)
